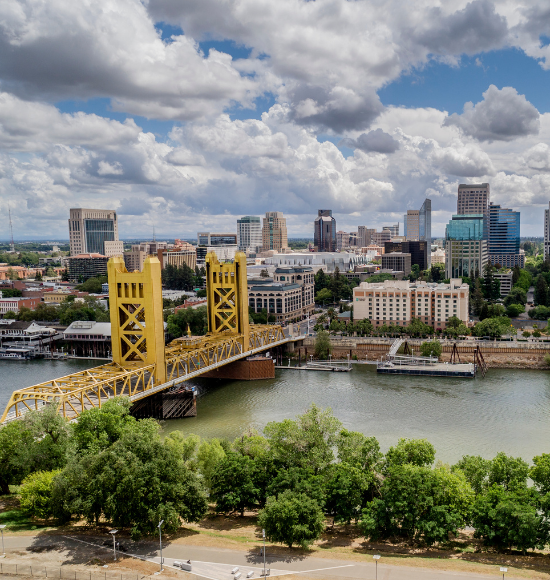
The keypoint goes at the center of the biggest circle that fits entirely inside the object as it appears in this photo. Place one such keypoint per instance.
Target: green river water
(508, 410)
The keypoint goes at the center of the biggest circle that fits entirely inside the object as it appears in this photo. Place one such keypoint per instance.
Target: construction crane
(12, 244)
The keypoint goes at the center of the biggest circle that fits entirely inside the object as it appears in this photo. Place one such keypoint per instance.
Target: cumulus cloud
(475, 28)
(538, 157)
(61, 49)
(463, 161)
(503, 115)
(374, 141)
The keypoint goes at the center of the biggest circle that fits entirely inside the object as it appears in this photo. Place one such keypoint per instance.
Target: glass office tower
(465, 246)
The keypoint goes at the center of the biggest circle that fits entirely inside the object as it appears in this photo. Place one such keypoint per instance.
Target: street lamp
(2, 531)
(113, 533)
(376, 557)
(503, 570)
(160, 540)
(263, 534)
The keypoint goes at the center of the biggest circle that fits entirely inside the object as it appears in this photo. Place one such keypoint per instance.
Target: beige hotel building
(397, 302)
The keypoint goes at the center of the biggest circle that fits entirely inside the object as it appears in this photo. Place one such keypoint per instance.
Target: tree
(431, 348)
(15, 442)
(541, 292)
(307, 442)
(540, 472)
(292, 518)
(517, 295)
(233, 487)
(10, 315)
(506, 519)
(323, 296)
(477, 301)
(418, 452)
(509, 472)
(525, 280)
(93, 285)
(358, 450)
(418, 328)
(492, 327)
(194, 318)
(298, 480)
(346, 491)
(38, 276)
(178, 277)
(322, 345)
(209, 455)
(264, 273)
(491, 285)
(514, 310)
(420, 504)
(516, 273)
(133, 483)
(36, 494)
(476, 471)
(415, 272)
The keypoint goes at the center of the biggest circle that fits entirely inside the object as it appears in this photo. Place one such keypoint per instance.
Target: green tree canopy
(196, 318)
(233, 486)
(292, 518)
(322, 345)
(431, 348)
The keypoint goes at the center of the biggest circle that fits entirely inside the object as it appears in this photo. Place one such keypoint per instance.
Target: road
(217, 563)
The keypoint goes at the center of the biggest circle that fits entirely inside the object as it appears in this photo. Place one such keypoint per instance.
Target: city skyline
(183, 122)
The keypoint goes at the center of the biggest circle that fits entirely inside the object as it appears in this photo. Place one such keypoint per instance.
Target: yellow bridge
(142, 365)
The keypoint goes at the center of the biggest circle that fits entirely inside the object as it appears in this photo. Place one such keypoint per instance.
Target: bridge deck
(185, 359)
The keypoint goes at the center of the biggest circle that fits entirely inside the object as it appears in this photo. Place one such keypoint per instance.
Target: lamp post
(2, 531)
(376, 557)
(160, 540)
(113, 533)
(263, 534)
(503, 570)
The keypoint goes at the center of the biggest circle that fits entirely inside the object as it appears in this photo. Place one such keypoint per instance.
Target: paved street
(217, 563)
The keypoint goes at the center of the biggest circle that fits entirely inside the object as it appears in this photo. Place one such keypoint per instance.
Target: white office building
(249, 233)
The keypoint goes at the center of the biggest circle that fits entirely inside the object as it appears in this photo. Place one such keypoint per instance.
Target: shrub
(36, 494)
(431, 348)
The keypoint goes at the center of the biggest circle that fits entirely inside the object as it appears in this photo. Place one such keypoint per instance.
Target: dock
(437, 369)
(429, 366)
(321, 365)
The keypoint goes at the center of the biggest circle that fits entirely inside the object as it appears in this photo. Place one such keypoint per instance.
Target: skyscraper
(274, 232)
(394, 230)
(418, 226)
(364, 236)
(94, 231)
(249, 233)
(411, 226)
(324, 231)
(465, 246)
(503, 237)
(547, 233)
(473, 199)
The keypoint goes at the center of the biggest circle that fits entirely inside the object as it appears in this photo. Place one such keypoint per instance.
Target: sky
(183, 115)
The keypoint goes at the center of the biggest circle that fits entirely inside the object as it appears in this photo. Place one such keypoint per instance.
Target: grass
(13, 517)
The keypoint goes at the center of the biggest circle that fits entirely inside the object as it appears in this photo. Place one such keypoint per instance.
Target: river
(508, 410)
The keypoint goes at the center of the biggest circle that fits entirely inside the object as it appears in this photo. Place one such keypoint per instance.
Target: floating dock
(466, 370)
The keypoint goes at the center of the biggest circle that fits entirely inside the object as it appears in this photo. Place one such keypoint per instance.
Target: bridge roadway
(184, 358)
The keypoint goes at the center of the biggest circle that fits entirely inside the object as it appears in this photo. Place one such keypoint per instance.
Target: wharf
(467, 370)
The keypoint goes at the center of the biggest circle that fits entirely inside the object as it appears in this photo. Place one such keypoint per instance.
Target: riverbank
(497, 354)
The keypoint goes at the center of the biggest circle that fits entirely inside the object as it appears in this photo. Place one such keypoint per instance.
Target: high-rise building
(249, 233)
(465, 246)
(216, 239)
(473, 199)
(274, 232)
(419, 251)
(394, 230)
(324, 231)
(547, 233)
(503, 237)
(364, 236)
(89, 229)
(418, 225)
(411, 226)
(380, 238)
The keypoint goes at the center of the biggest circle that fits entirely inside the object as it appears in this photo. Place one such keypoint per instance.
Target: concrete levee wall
(512, 354)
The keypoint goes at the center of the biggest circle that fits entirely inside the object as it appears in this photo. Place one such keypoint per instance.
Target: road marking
(322, 569)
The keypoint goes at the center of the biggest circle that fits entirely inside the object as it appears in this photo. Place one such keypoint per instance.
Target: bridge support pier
(250, 369)
(175, 404)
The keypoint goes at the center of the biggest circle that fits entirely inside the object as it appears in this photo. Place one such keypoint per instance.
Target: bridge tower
(137, 324)
(227, 294)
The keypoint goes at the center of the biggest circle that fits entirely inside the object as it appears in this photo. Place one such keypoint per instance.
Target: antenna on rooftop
(154, 239)
(12, 244)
